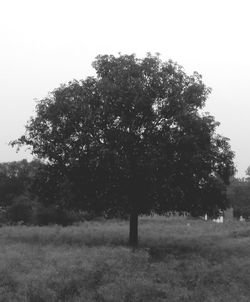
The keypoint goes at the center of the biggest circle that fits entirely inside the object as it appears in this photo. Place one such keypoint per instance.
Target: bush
(52, 215)
(3, 216)
(20, 210)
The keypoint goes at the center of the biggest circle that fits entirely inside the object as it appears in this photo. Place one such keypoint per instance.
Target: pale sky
(45, 43)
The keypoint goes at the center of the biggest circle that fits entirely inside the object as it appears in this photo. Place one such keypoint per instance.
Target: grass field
(178, 259)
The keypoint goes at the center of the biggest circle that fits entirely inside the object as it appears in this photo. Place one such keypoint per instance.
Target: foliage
(16, 179)
(50, 187)
(133, 139)
(20, 210)
(239, 196)
(248, 173)
(51, 215)
(31, 192)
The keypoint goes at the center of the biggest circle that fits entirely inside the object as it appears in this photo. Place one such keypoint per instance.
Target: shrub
(20, 210)
(52, 215)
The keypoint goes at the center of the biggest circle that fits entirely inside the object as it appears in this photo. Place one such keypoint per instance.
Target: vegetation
(29, 194)
(239, 196)
(16, 179)
(131, 140)
(178, 260)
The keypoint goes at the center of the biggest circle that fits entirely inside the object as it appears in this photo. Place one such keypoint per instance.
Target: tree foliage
(239, 196)
(134, 139)
(15, 179)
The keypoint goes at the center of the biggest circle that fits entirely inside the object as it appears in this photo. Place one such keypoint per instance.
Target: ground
(178, 259)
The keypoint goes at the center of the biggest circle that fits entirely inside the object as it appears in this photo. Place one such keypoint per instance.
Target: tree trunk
(133, 230)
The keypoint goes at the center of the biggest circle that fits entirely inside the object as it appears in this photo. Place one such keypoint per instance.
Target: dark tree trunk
(133, 230)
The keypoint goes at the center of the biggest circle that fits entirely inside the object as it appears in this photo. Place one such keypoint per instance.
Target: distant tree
(248, 173)
(31, 190)
(15, 179)
(133, 139)
(239, 196)
(20, 210)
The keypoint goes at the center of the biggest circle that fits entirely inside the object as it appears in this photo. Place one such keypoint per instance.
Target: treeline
(33, 193)
(36, 193)
(238, 193)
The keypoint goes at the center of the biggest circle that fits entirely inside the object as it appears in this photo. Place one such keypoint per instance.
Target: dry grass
(178, 260)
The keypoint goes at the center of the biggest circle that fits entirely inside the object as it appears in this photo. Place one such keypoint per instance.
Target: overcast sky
(44, 43)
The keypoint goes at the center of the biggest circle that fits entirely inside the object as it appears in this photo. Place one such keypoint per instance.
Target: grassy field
(178, 259)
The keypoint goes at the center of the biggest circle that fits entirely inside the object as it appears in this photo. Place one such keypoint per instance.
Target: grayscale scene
(124, 151)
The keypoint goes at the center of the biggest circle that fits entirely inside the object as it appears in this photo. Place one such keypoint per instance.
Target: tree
(15, 179)
(248, 174)
(238, 193)
(134, 139)
(50, 187)
(20, 210)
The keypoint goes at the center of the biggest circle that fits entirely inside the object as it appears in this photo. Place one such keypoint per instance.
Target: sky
(45, 43)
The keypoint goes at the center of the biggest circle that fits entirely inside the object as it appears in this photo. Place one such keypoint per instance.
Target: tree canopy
(134, 139)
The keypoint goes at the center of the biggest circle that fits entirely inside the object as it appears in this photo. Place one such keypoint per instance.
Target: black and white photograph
(124, 151)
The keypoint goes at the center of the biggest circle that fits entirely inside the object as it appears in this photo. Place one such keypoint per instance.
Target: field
(178, 259)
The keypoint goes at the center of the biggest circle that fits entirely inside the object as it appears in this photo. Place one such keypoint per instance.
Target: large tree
(134, 139)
